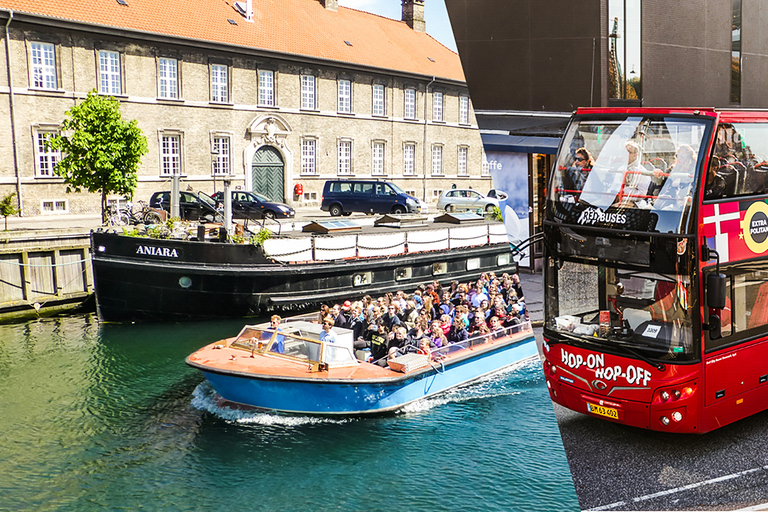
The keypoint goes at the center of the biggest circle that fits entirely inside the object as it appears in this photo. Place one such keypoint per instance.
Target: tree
(7, 208)
(102, 153)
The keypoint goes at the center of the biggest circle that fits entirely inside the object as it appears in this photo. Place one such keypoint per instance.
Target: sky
(435, 15)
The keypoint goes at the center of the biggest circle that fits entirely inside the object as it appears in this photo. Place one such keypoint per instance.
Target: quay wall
(43, 273)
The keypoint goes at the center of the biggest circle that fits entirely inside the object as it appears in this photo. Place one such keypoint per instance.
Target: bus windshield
(633, 173)
(638, 314)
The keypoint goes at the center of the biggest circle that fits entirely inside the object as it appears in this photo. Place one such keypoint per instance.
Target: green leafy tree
(100, 151)
(7, 207)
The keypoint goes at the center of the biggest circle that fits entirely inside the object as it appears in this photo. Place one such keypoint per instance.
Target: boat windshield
(294, 341)
(633, 173)
(636, 314)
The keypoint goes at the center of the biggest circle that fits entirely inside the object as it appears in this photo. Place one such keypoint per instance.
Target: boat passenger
(327, 335)
(458, 332)
(445, 324)
(479, 326)
(390, 317)
(274, 325)
(497, 329)
(414, 336)
(357, 322)
(425, 347)
(324, 312)
(410, 314)
(397, 342)
(436, 334)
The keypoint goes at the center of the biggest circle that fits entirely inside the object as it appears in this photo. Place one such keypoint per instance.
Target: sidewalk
(533, 288)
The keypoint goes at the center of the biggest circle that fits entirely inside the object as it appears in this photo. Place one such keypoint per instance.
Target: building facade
(546, 62)
(278, 98)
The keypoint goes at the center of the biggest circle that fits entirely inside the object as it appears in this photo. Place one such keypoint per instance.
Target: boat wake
(205, 398)
(504, 382)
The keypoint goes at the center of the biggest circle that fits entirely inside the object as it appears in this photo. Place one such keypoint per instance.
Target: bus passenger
(582, 164)
(715, 186)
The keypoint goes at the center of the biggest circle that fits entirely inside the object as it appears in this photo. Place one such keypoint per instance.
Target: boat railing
(367, 245)
(481, 339)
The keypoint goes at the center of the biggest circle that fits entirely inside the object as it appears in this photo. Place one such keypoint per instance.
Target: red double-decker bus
(656, 267)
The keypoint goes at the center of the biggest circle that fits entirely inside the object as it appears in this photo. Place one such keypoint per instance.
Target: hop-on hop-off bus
(656, 267)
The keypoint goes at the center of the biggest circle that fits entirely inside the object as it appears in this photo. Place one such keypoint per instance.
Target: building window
(624, 50)
(45, 158)
(54, 206)
(463, 158)
(437, 160)
(409, 110)
(170, 154)
(486, 169)
(736, 52)
(221, 155)
(43, 66)
(378, 100)
(110, 81)
(345, 96)
(437, 106)
(266, 88)
(308, 92)
(219, 83)
(409, 160)
(377, 159)
(345, 157)
(464, 109)
(308, 156)
(168, 73)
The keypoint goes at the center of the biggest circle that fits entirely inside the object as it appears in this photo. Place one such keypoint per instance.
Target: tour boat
(290, 370)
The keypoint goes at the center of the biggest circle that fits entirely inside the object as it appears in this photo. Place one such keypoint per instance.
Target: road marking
(680, 489)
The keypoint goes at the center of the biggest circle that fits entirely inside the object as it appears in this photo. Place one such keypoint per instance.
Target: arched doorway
(268, 173)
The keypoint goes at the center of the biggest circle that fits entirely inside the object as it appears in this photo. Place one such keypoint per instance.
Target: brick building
(275, 94)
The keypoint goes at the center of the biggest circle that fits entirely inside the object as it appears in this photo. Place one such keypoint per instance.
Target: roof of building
(295, 27)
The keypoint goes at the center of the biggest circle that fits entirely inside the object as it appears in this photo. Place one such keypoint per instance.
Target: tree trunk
(104, 207)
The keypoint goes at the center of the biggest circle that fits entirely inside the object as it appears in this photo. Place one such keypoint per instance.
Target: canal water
(100, 416)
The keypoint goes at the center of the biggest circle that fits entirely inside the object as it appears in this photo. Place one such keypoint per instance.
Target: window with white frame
(409, 109)
(464, 109)
(486, 169)
(266, 88)
(170, 154)
(308, 156)
(219, 83)
(377, 159)
(378, 100)
(43, 66)
(168, 77)
(345, 96)
(437, 106)
(437, 160)
(220, 150)
(110, 81)
(308, 92)
(463, 159)
(409, 159)
(48, 206)
(45, 158)
(345, 157)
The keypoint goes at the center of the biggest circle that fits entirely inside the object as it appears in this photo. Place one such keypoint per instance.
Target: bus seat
(730, 176)
(759, 314)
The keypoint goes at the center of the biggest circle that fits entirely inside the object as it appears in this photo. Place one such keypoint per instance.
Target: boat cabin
(298, 340)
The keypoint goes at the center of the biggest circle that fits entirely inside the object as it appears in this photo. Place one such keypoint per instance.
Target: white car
(465, 199)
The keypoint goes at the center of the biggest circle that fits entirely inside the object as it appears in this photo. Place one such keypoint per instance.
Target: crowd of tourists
(431, 317)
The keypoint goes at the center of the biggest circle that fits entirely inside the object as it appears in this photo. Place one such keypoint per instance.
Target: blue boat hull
(351, 397)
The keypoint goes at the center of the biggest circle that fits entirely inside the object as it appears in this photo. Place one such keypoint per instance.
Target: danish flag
(721, 225)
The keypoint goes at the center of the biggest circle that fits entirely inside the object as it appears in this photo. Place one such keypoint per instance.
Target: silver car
(465, 199)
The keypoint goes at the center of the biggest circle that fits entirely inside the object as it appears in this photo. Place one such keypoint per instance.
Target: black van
(342, 197)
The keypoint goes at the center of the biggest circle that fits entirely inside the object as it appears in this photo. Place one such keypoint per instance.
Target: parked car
(192, 206)
(342, 197)
(464, 198)
(251, 206)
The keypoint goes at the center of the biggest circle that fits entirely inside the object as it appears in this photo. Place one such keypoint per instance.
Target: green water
(108, 417)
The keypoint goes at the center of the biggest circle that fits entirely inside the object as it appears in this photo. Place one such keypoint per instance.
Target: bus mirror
(714, 327)
(716, 290)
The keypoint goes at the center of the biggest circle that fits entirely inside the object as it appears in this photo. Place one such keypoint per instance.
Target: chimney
(331, 5)
(413, 14)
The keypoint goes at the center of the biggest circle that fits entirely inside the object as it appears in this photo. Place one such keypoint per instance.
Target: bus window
(740, 160)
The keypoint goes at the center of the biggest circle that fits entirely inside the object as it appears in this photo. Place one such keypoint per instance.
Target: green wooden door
(268, 173)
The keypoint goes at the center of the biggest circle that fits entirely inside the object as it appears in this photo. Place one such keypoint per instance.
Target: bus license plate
(608, 412)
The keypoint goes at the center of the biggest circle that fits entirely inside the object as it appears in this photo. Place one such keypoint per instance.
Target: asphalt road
(615, 467)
